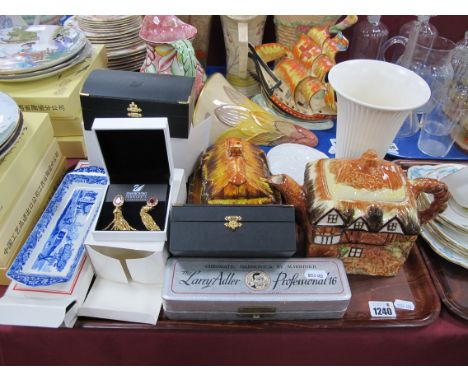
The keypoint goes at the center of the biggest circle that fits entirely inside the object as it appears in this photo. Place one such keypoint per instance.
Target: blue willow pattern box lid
(255, 288)
(27, 49)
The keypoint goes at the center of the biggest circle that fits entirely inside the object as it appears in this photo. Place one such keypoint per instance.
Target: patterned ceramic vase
(289, 28)
(238, 32)
(169, 49)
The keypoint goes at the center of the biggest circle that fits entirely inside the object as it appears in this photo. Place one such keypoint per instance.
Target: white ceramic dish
(457, 183)
(451, 238)
(442, 250)
(291, 159)
(54, 248)
(454, 215)
(8, 145)
(9, 117)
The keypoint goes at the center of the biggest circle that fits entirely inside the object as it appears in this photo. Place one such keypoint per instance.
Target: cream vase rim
(424, 87)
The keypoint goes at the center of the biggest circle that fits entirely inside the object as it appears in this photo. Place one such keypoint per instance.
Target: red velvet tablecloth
(445, 342)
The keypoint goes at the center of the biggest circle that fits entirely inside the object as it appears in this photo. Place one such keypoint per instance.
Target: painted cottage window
(355, 252)
(332, 218)
(327, 239)
(392, 227)
(359, 224)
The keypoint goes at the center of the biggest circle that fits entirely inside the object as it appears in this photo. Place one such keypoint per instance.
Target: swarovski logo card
(137, 192)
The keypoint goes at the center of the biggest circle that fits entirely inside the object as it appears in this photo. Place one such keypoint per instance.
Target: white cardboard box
(53, 306)
(131, 302)
(185, 152)
(129, 275)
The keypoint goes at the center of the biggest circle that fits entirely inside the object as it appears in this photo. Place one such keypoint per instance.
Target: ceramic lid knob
(165, 29)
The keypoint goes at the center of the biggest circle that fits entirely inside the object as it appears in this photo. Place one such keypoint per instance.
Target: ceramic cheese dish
(362, 211)
(232, 171)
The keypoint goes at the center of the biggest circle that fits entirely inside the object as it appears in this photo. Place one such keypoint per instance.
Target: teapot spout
(292, 193)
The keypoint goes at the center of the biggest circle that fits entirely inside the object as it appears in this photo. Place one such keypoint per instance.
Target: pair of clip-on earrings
(120, 224)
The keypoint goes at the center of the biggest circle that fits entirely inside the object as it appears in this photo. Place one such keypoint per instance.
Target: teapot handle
(436, 188)
(387, 44)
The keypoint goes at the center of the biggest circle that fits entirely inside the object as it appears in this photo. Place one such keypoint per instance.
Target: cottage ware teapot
(169, 49)
(362, 211)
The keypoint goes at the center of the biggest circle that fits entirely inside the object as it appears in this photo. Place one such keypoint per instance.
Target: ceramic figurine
(297, 85)
(362, 211)
(234, 115)
(232, 171)
(169, 49)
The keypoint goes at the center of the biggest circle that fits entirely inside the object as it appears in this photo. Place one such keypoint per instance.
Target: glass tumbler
(432, 63)
(437, 134)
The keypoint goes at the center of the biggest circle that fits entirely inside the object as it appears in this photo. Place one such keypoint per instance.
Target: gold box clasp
(134, 111)
(233, 222)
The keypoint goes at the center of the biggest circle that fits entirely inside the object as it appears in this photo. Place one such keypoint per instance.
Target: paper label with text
(382, 309)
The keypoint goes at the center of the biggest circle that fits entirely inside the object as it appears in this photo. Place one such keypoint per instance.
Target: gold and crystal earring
(146, 218)
(119, 223)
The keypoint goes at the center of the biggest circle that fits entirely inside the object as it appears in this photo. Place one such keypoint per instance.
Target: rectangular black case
(217, 231)
(118, 94)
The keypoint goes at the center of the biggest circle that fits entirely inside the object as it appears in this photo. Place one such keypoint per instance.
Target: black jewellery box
(138, 160)
(232, 231)
(119, 94)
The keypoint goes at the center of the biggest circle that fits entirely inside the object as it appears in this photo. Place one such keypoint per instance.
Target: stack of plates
(447, 234)
(11, 124)
(125, 49)
(39, 51)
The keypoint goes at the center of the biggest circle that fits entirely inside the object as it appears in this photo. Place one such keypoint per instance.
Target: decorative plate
(27, 49)
(9, 117)
(291, 159)
(10, 142)
(454, 215)
(105, 19)
(82, 55)
(444, 237)
(55, 246)
(444, 251)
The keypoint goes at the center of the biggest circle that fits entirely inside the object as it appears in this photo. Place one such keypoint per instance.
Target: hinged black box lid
(118, 94)
(240, 231)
